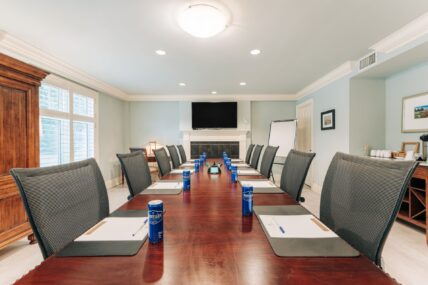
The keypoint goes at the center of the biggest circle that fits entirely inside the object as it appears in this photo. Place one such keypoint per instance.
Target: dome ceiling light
(203, 20)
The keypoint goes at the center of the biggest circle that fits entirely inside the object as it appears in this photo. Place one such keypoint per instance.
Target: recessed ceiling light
(213, 92)
(160, 52)
(243, 83)
(255, 51)
(182, 84)
(203, 20)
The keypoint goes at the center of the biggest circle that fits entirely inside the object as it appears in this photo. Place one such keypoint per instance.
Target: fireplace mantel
(217, 135)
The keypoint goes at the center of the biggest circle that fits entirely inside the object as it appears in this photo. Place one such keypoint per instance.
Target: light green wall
(157, 121)
(111, 135)
(406, 83)
(367, 115)
(264, 112)
(328, 142)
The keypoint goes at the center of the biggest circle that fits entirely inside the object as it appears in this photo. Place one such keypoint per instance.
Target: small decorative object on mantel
(415, 114)
(328, 120)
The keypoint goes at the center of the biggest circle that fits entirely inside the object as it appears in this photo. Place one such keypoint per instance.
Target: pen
(142, 226)
(280, 228)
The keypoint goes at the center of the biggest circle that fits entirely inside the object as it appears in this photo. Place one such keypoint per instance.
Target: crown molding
(409, 33)
(337, 73)
(210, 97)
(23, 51)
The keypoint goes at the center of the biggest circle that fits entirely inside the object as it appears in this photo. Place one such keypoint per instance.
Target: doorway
(304, 138)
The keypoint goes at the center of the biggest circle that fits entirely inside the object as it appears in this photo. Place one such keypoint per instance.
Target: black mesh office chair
(256, 156)
(249, 152)
(137, 171)
(294, 173)
(174, 156)
(361, 197)
(134, 149)
(267, 160)
(182, 153)
(163, 161)
(62, 202)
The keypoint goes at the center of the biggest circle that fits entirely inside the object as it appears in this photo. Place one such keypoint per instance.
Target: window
(67, 122)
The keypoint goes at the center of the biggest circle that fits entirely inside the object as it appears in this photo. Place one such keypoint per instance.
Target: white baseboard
(113, 182)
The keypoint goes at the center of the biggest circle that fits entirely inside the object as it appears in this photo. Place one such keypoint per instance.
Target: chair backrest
(256, 155)
(137, 171)
(361, 197)
(62, 202)
(163, 161)
(294, 172)
(174, 156)
(134, 149)
(182, 153)
(249, 152)
(267, 160)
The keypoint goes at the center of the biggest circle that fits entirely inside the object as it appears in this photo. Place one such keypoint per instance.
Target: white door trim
(309, 102)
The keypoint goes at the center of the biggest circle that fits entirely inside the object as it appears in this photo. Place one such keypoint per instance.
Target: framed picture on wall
(414, 117)
(328, 120)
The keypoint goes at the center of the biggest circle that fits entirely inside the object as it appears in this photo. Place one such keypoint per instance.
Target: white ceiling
(113, 40)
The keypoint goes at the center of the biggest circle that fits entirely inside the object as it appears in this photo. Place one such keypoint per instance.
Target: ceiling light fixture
(160, 52)
(255, 51)
(182, 84)
(243, 83)
(203, 20)
(213, 92)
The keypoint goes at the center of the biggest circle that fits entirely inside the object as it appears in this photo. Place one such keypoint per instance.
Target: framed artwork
(328, 120)
(414, 117)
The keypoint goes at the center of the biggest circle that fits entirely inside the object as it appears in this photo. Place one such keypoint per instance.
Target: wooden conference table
(207, 241)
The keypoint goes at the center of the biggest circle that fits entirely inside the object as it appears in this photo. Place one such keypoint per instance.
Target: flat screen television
(207, 115)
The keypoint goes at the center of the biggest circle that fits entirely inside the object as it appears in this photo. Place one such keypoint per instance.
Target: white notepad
(240, 165)
(236, 160)
(117, 229)
(166, 185)
(180, 171)
(258, 184)
(188, 164)
(248, 172)
(295, 226)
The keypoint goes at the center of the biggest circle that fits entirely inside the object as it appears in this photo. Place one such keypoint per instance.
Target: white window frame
(72, 88)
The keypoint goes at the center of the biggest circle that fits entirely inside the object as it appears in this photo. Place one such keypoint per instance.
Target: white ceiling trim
(21, 50)
(410, 32)
(337, 73)
(217, 97)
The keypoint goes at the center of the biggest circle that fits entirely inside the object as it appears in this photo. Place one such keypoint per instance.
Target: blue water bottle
(224, 157)
(247, 200)
(196, 165)
(228, 164)
(205, 156)
(201, 161)
(186, 180)
(155, 213)
(234, 174)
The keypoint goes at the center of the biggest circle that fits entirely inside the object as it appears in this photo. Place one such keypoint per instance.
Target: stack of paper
(117, 229)
(248, 172)
(236, 160)
(180, 171)
(166, 185)
(188, 164)
(295, 226)
(259, 184)
(240, 165)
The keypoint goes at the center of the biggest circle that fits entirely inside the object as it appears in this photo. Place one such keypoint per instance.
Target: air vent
(367, 61)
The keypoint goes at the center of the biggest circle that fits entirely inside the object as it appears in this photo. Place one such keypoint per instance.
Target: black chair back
(182, 154)
(267, 160)
(137, 171)
(294, 172)
(256, 156)
(249, 152)
(174, 156)
(163, 161)
(361, 198)
(134, 149)
(62, 202)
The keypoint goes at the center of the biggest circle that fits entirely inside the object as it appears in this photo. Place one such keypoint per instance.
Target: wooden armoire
(19, 141)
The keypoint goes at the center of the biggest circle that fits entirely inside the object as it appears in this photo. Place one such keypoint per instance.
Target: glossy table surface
(207, 241)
